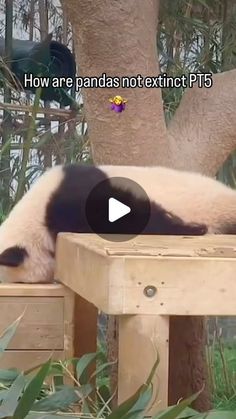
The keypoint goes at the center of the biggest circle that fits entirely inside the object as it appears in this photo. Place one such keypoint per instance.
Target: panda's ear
(13, 256)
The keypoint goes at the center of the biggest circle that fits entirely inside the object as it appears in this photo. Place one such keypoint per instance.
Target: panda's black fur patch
(228, 228)
(66, 209)
(13, 256)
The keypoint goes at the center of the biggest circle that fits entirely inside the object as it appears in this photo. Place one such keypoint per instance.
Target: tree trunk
(119, 38)
(188, 368)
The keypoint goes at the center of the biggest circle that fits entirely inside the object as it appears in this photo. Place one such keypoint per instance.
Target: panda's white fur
(25, 227)
(190, 196)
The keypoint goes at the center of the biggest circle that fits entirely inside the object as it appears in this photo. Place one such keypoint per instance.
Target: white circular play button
(116, 210)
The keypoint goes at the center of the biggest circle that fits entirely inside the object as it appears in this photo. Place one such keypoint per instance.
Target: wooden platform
(144, 281)
(46, 327)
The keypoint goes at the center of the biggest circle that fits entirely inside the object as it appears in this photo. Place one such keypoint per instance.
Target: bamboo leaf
(174, 411)
(31, 392)
(7, 335)
(59, 400)
(10, 402)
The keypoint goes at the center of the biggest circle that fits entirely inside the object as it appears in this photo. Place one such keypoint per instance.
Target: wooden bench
(144, 281)
(47, 327)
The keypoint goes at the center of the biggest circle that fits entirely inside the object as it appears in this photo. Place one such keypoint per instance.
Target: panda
(181, 202)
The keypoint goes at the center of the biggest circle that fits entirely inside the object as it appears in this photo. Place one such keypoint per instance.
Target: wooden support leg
(141, 338)
(85, 328)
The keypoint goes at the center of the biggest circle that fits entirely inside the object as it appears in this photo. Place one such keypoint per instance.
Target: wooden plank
(42, 337)
(24, 360)
(208, 245)
(40, 290)
(183, 286)
(181, 269)
(141, 340)
(37, 310)
(41, 326)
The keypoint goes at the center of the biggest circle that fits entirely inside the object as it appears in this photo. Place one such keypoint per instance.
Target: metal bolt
(150, 291)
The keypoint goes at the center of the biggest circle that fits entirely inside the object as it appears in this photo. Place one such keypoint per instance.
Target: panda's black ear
(13, 256)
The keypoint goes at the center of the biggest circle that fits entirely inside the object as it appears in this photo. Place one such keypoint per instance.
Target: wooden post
(141, 340)
(85, 327)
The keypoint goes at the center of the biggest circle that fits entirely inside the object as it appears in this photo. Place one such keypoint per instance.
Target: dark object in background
(45, 59)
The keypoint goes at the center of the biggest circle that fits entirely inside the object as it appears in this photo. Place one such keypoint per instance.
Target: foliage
(30, 144)
(28, 395)
(221, 360)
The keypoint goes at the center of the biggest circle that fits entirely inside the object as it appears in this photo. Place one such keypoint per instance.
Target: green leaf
(3, 395)
(34, 415)
(10, 402)
(137, 403)
(8, 376)
(34, 368)
(59, 400)
(82, 365)
(187, 413)
(58, 381)
(31, 392)
(173, 411)
(7, 335)
(85, 390)
(102, 367)
(133, 405)
(86, 409)
(56, 368)
(136, 415)
(220, 414)
(154, 368)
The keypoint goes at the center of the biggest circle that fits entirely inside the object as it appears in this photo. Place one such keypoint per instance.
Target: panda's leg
(166, 223)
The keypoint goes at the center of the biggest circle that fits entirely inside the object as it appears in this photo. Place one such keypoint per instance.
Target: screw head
(150, 291)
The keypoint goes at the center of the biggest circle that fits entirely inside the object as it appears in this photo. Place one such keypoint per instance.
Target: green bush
(27, 395)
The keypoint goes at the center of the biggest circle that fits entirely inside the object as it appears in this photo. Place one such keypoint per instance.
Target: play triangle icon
(116, 210)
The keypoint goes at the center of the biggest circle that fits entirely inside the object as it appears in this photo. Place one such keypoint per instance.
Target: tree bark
(119, 38)
(202, 132)
(188, 368)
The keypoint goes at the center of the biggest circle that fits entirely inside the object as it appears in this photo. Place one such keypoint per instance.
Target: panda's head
(12, 262)
(26, 247)
(26, 264)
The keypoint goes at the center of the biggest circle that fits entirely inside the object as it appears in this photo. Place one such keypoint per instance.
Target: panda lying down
(181, 203)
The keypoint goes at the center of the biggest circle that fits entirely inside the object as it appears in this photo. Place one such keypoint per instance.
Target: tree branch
(202, 133)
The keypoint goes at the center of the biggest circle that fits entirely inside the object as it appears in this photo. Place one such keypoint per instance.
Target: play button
(116, 210)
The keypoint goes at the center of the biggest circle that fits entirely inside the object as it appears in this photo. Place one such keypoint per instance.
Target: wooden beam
(40, 290)
(174, 269)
